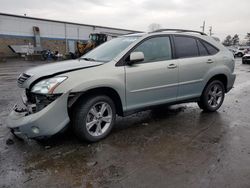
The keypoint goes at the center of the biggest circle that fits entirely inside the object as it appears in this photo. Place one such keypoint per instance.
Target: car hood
(53, 69)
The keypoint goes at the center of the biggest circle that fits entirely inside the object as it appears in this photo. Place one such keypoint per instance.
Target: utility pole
(66, 40)
(203, 26)
(210, 30)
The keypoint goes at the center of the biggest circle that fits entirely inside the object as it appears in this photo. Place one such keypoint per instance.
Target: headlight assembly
(47, 86)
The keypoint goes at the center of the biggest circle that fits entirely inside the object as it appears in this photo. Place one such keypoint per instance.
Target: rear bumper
(231, 81)
(44, 123)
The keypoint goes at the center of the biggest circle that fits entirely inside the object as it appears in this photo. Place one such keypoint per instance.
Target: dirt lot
(180, 146)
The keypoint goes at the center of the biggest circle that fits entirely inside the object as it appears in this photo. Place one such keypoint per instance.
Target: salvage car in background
(241, 51)
(246, 58)
(120, 77)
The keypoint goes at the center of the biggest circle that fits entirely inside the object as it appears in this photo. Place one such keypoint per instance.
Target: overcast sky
(226, 16)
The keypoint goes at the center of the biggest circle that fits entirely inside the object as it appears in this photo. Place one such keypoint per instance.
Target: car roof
(191, 33)
(168, 31)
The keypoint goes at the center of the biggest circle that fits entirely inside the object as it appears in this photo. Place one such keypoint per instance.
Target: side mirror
(135, 57)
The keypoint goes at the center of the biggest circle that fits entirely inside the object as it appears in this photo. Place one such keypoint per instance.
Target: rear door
(195, 60)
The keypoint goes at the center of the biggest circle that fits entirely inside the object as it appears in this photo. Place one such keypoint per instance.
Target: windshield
(109, 50)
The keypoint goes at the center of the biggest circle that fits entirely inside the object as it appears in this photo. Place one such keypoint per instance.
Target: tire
(243, 62)
(240, 54)
(89, 123)
(200, 104)
(212, 98)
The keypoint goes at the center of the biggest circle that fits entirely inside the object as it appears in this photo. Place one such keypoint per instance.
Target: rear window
(202, 49)
(211, 49)
(186, 47)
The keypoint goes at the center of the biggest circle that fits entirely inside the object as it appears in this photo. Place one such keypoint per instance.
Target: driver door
(154, 80)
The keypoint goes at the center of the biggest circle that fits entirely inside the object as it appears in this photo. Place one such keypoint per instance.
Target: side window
(186, 47)
(155, 49)
(211, 49)
(203, 51)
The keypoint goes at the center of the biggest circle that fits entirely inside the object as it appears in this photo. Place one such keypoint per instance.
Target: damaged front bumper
(44, 123)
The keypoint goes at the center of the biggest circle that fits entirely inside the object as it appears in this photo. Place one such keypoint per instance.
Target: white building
(54, 35)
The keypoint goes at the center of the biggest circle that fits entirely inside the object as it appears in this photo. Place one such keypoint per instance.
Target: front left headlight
(47, 86)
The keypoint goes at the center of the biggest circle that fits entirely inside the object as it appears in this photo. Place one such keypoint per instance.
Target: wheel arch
(221, 77)
(108, 91)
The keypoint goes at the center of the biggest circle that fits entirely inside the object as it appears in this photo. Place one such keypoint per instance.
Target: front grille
(22, 78)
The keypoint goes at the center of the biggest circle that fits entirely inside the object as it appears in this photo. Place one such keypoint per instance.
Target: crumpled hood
(56, 68)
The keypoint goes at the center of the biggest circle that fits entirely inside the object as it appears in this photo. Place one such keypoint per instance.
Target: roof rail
(179, 30)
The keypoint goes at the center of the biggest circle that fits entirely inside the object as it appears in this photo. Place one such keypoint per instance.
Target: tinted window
(186, 47)
(211, 49)
(203, 51)
(155, 49)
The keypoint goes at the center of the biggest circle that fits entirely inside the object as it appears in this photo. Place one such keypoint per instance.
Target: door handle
(210, 61)
(172, 66)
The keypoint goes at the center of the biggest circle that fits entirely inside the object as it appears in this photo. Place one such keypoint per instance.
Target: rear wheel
(212, 96)
(240, 54)
(94, 118)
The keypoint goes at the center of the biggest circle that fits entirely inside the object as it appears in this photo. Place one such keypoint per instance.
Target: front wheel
(94, 118)
(212, 96)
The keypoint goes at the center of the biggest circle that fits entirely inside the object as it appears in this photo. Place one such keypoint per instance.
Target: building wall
(5, 51)
(52, 44)
(54, 35)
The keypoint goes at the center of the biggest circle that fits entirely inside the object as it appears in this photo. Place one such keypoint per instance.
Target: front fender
(106, 75)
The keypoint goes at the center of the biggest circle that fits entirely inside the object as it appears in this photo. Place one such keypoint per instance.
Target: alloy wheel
(215, 95)
(99, 119)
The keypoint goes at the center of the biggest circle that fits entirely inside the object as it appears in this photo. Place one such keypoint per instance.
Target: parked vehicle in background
(95, 39)
(49, 55)
(241, 51)
(120, 77)
(246, 58)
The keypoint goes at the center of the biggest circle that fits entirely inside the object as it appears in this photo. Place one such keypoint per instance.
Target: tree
(235, 40)
(228, 41)
(248, 39)
(154, 26)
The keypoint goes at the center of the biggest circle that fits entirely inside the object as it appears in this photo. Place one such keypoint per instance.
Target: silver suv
(120, 77)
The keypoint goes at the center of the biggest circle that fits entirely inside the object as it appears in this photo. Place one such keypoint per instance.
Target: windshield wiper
(88, 59)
